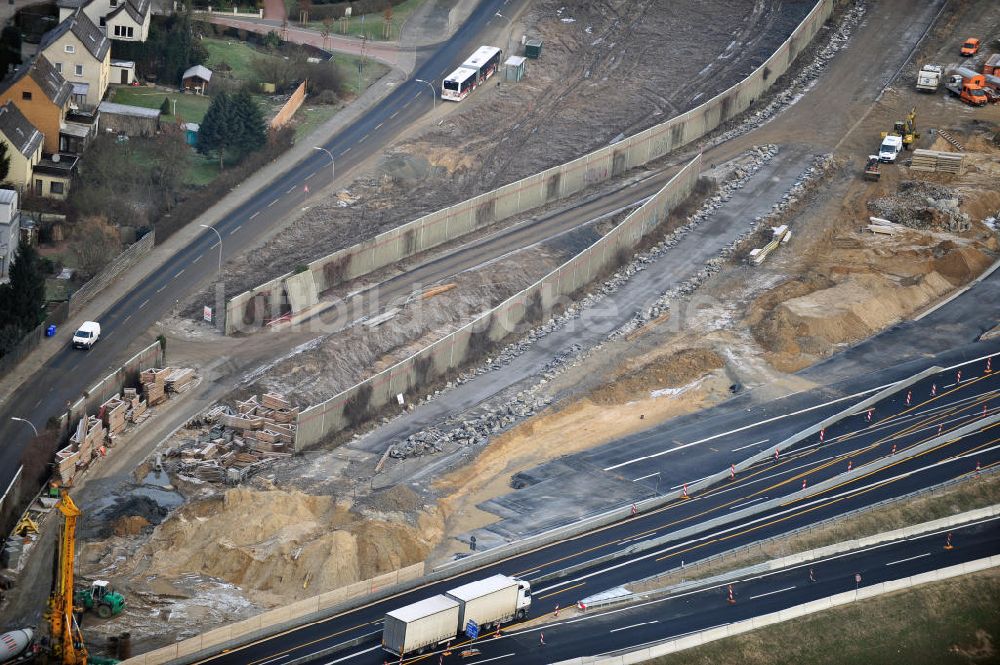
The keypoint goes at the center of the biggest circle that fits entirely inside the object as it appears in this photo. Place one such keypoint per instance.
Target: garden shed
(128, 120)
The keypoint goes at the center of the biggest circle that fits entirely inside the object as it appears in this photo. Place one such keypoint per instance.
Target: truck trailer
(929, 78)
(468, 610)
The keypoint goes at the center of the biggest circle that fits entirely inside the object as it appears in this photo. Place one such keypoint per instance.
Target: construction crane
(67, 645)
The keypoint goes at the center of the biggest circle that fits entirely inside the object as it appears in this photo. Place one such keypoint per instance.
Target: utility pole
(216, 231)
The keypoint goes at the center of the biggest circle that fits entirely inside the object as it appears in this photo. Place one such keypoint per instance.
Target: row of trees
(170, 49)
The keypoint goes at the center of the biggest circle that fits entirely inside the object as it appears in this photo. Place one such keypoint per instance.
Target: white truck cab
(890, 148)
(87, 335)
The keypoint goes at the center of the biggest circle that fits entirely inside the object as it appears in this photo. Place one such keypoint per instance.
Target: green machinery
(100, 598)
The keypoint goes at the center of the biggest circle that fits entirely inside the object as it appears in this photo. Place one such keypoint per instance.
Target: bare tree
(95, 243)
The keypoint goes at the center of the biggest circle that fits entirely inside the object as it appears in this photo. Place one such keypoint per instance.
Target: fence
(235, 12)
(120, 264)
(300, 291)
(265, 623)
(13, 357)
(355, 404)
(290, 107)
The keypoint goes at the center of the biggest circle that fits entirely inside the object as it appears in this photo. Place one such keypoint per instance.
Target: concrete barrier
(355, 404)
(130, 257)
(737, 628)
(551, 185)
(267, 623)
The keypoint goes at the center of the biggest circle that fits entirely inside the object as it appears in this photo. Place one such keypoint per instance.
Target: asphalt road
(70, 372)
(855, 441)
(676, 615)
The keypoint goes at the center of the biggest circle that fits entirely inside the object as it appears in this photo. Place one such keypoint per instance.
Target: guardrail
(710, 635)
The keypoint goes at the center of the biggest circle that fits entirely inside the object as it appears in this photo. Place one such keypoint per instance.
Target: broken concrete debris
(233, 443)
(923, 205)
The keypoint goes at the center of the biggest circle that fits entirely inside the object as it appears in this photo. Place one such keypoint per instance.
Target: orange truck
(967, 85)
(970, 47)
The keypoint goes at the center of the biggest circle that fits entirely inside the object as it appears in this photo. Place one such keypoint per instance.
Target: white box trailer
(420, 625)
(490, 602)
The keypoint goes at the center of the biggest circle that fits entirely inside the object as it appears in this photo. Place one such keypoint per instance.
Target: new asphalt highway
(872, 450)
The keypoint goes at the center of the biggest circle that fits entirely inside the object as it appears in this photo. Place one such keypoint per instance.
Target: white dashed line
(144, 303)
(393, 115)
(161, 288)
(311, 175)
(236, 229)
(290, 189)
(255, 214)
(197, 259)
(345, 152)
(272, 203)
(363, 139)
(771, 593)
(179, 273)
(378, 126)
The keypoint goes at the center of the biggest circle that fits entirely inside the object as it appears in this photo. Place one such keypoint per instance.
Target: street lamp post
(333, 164)
(433, 92)
(30, 424)
(510, 29)
(216, 231)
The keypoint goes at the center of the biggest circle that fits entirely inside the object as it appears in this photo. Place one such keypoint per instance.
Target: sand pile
(673, 370)
(279, 546)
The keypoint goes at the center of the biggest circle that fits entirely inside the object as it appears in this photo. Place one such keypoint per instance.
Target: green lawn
(191, 108)
(238, 55)
(371, 72)
(373, 25)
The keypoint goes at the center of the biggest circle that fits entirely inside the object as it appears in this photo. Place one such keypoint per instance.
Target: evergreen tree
(252, 131)
(4, 162)
(165, 106)
(22, 300)
(219, 129)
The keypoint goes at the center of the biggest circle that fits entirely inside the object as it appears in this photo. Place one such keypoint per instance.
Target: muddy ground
(833, 284)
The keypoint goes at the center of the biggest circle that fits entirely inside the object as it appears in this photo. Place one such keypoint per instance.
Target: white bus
(475, 70)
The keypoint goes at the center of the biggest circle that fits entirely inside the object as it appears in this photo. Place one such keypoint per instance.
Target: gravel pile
(922, 205)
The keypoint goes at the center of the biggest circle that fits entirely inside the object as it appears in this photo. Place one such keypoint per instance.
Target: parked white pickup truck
(87, 335)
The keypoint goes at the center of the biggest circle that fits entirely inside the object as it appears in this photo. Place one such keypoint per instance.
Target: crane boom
(67, 640)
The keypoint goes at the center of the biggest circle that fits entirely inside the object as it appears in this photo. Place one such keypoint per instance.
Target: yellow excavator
(905, 129)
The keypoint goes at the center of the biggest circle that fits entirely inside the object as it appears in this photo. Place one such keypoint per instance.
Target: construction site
(800, 238)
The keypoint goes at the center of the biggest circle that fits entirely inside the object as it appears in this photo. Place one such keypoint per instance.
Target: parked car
(87, 335)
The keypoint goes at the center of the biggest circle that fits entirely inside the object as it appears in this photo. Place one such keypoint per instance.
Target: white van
(87, 335)
(891, 147)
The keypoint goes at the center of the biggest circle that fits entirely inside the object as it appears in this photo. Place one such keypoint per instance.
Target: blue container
(50, 331)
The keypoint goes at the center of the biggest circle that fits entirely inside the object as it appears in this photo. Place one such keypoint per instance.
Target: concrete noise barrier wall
(268, 623)
(251, 309)
(527, 307)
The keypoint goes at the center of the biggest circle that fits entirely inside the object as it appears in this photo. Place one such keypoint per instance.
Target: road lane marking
(179, 273)
(161, 288)
(311, 175)
(561, 590)
(506, 655)
(771, 593)
(345, 152)
(125, 319)
(378, 126)
(273, 660)
(290, 189)
(749, 445)
(197, 259)
(144, 303)
(650, 475)
(236, 229)
(38, 402)
(747, 503)
(356, 653)
(393, 115)
(363, 139)
(919, 556)
(407, 103)
(255, 214)
(272, 203)
(635, 625)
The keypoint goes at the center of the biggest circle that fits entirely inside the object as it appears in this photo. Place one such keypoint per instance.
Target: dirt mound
(124, 510)
(669, 371)
(132, 525)
(395, 499)
(280, 546)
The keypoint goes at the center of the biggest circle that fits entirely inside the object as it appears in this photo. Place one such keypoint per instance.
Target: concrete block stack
(137, 407)
(113, 414)
(180, 380)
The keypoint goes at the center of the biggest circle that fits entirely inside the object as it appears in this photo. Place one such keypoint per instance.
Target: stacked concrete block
(154, 385)
(113, 414)
(180, 380)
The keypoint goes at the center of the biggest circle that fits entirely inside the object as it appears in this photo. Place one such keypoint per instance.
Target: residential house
(196, 79)
(82, 54)
(10, 230)
(129, 21)
(45, 98)
(119, 19)
(24, 145)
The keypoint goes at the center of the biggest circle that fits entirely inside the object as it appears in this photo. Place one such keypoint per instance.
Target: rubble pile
(235, 443)
(923, 205)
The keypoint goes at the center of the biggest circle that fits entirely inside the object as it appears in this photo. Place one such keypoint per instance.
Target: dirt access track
(677, 371)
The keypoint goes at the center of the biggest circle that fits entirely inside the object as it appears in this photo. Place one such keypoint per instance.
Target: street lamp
(433, 92)
(22, 420)
(333, 164)
(216, 231)
(509, 30)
